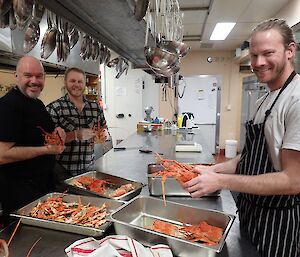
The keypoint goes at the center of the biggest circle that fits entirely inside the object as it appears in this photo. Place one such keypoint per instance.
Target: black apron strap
(288, 81)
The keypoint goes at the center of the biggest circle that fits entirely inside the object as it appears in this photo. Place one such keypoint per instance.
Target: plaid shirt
(78, 155)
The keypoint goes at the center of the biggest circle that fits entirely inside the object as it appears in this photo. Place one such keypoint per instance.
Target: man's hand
(61, 133)
(84, 134)
(206, 182)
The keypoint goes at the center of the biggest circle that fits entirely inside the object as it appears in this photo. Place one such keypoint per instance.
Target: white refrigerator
(201, 96)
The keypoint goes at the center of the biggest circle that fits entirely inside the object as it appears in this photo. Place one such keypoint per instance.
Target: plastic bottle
(179, 121)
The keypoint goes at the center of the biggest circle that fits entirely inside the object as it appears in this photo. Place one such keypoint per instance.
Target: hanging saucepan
(84, 46)
(59, 40)
(95, 50)
(101, 53)
(65, 40)
(32, 33)
(49, 39)
(5, 6)
(179, 48)
(73, 37)
(140, 9)
(89, 47)
(122, 66)
(4, 20)
(113, 63)
(22, 11)
(31, 36)
(126, 66)
(107, 57)
(12, 19)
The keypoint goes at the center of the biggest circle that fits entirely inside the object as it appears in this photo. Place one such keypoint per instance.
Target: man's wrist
(75, 135)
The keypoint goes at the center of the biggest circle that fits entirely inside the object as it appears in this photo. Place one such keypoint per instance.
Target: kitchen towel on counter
(115, 246)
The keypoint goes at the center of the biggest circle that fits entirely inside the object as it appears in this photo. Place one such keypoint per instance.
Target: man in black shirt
(26, 164)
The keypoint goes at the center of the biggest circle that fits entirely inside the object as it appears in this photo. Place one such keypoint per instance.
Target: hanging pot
(4, 21)
(65, 40)
(5, 5)
(12, 20)
(49, 39)
(159, 58)
(179, 48)
(23, 12)
(32, 33)
(73, 38)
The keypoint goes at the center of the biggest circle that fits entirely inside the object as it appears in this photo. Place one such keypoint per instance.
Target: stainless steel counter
(132, 164)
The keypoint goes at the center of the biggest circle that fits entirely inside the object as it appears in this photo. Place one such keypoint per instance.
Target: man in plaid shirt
(77, 116)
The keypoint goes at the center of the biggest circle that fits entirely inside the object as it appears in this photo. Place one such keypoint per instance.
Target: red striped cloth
(115, 246)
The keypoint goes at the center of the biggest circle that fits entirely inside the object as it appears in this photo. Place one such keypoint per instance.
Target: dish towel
(115, 246)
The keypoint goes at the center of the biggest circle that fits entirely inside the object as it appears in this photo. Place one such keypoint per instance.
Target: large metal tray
(135, 217)
(99, 175)
(172, 186)
(24, 212)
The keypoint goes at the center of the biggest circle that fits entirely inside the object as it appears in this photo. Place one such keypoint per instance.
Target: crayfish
(51, 138)
(172, 168)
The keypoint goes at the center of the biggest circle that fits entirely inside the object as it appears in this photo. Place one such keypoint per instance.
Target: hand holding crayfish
(206, 182)
(54, 141)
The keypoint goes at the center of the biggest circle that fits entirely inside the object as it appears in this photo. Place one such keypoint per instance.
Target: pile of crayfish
(203, 232)
(100, 134)
(101, 186)
(54, 208)
(51, 138)
(172, 168)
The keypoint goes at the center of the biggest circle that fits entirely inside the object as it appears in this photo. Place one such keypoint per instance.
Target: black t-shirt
(20, 119)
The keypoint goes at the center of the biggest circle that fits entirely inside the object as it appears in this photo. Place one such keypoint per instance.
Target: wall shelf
(243, 58)
(92, 88)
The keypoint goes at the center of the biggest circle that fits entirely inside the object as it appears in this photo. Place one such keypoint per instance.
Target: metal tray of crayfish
(172, 186)
(70, 200)
(113, 183)
(136, 219)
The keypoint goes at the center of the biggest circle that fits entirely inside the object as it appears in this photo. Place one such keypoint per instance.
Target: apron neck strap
(288, 81)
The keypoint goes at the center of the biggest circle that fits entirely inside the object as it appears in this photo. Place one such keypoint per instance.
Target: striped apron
(271, 222)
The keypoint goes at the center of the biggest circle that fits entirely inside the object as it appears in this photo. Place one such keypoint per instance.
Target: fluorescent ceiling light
(221, 30)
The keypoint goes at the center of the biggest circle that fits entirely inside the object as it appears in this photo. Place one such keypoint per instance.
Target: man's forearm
(275, 183)
(228, 167)
(21, 153)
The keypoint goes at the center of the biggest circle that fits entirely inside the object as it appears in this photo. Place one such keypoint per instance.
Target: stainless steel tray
(99, 175)
(172, 186)
(24, 212)
(135, 217)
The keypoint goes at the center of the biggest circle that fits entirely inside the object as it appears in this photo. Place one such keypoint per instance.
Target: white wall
(126, 96)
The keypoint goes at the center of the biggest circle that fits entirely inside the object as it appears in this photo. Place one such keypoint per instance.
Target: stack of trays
(135, 218)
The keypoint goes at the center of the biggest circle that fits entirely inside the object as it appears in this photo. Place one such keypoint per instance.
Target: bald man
(26, 164)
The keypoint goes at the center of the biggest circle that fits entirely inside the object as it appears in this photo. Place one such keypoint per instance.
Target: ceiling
(246, 14)
(113, 23)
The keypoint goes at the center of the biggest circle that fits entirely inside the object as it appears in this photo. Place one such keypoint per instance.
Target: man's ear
(15, 74)
(291, 50)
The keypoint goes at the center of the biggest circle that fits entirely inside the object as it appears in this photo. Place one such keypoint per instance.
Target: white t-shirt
(282, 128)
